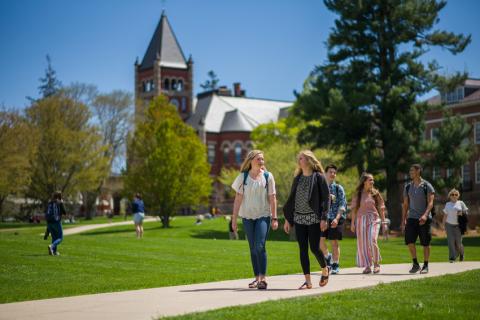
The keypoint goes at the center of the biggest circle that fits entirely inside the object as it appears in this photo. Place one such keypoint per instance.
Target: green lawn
(448, 297)
(111, 259)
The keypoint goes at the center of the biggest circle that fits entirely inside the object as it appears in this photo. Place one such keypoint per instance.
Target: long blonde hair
(358, 191)
(247, 163)
(314, 163)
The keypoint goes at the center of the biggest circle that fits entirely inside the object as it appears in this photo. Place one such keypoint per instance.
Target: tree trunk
(89, 203)
(394, 199)
(165, 221)
(2, 200)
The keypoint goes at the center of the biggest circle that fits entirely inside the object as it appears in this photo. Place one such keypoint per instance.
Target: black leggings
(306, 234)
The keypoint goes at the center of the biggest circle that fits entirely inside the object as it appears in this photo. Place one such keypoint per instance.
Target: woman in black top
(306, 209)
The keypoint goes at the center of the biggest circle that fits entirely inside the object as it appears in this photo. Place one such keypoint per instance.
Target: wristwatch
(274, 219)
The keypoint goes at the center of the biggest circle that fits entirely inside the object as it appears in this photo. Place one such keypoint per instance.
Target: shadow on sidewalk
(234, 289)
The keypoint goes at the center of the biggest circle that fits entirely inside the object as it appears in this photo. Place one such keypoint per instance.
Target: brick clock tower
(164, 70)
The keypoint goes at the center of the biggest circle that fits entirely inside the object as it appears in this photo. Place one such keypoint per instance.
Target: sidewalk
(151, 303)
(80, 229)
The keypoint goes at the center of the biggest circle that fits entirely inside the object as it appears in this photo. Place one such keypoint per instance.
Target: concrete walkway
(151, 303)
(80, 229)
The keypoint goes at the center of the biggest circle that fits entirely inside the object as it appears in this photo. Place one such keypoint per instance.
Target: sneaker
(424, 269)
(452, 261)
(335, 268)
(415, 268)
(328, 260)
(50, 250)
(56, 253)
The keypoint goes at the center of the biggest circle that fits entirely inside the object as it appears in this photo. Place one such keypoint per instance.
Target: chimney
(237, 90)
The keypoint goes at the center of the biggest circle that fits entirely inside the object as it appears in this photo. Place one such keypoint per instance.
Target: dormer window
(453, 96)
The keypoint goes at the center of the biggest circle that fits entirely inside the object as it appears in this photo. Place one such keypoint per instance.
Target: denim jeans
(56, 231)
(257, 232)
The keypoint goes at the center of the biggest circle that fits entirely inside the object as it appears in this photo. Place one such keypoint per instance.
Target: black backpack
(425, 190)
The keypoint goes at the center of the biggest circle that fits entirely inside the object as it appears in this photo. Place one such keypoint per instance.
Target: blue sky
(270, 46)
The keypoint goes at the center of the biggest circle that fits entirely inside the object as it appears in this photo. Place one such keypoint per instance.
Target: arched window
(180, 85)
(211, 153)
(174, 84)
(238, 153)
(166, 84)
(226, 155)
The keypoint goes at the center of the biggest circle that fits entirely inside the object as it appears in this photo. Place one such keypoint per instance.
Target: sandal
(376, 269)
(323, 281)
(253, 284)
(367, 270)
(262, 285)
(305, 285)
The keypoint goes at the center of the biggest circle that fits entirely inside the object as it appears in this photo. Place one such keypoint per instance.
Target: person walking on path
(452, 211)
(307, 209)
(255, 202)
(55, 211)
(417, 209)
(138, 209)
(336, 217)
(368, 211)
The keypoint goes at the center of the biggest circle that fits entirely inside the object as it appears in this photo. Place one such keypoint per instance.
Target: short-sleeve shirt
(417, 203)
(255, 202)
(340, 202)
(367, 205)
(451, 210)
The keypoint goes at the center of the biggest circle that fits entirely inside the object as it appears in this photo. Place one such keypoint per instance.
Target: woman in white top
(453, 209)
(256, 204)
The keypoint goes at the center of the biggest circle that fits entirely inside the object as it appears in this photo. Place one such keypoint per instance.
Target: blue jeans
(257, 232)
(56, 231)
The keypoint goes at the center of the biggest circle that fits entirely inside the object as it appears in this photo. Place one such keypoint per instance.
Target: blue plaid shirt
(339, 203)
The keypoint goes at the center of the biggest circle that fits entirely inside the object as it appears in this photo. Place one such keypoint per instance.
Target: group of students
(316, 208)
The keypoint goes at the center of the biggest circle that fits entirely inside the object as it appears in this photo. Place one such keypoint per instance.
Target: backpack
(245, 176)
(424, 187)
(53, 212)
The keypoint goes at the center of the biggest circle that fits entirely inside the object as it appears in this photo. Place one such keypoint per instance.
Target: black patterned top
(303, 213)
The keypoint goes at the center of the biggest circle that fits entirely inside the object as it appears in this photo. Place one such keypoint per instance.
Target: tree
(212, 83)
(17, 148)
(49, 84)
(450, 150)
(70, 156)
(111, 113)
(168, 163)
(364, 98)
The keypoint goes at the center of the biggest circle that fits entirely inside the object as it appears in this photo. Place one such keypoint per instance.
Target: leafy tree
(364, 98)
(212, 83)
(168, 163)
(70, 156)
(17, 149)
(451, 149)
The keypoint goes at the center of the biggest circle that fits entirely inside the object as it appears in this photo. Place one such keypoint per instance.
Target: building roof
(239, 114)
(164, 45)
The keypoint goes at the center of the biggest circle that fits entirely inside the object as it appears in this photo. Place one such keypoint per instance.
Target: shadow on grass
(468, 242)
(277, 235)
(128, 229)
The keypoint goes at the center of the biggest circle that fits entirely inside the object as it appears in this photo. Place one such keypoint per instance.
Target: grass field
(111, 259)
(448, 297)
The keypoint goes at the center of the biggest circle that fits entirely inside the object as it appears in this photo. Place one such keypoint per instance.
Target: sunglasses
(455, 195)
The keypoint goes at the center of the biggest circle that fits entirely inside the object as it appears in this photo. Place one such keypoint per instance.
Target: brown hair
(374, 192)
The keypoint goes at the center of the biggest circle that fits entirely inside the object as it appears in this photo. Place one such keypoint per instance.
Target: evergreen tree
(364, 98)
(212, 83)
(49, 84)
(450, 150)
(168, 163)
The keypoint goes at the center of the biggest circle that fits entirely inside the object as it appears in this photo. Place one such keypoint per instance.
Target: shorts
(138, 217)
(413, 229)
(332, 233)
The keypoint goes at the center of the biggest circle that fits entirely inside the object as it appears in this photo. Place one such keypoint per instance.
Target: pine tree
(364, 98)
(168, 163)
(49, 84)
